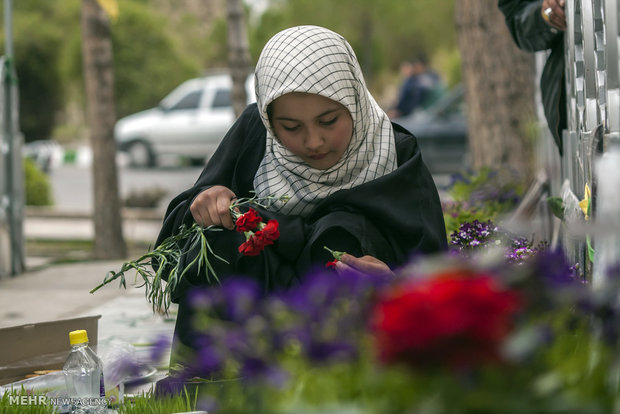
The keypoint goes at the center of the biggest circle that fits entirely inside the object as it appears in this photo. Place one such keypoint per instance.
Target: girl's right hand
(211, 207)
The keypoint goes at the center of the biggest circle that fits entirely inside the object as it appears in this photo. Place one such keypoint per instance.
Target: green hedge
(37, 185)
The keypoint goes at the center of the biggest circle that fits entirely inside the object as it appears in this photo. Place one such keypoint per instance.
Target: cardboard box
(40, 346)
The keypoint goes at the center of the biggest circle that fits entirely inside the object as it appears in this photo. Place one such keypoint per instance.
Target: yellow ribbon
(585, 203)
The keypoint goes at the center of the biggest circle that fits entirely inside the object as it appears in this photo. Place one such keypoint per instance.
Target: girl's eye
(329, 121)
(290, 128)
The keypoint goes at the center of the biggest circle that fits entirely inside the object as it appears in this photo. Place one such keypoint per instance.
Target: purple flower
(554, 268)
(200, 298)
(327, 351)
(519, 250)
(473, 235)
(240, 296)
(258, 369)
(169, 386)
(236, 340)
(297, 334)
(160, 346)
(209, 362)
(458, 178)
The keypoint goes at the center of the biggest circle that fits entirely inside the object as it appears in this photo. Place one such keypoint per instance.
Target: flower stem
(337, 255)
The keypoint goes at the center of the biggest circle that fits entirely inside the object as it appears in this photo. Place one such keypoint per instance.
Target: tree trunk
(499, 82)
(238, 54)
(99, 79)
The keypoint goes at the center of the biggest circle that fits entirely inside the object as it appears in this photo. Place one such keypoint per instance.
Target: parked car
(189, 122)
(47, 154)
(441, 131)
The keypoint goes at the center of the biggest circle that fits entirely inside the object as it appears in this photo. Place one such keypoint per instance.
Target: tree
(499, 82)
(382, 34)
(238, 54)
(38, 38)
(99, 79)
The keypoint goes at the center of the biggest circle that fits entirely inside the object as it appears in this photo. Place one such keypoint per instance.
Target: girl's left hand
(365, 264)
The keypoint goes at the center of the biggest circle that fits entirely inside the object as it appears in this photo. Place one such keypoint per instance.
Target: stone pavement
(47, 292)
(59, 291)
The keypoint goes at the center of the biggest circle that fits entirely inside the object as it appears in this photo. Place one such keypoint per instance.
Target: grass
(147, 403)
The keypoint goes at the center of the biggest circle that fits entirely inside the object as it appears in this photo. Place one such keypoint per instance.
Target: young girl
(355, 182)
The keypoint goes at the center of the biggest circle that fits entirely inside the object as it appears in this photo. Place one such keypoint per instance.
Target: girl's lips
(318, 156)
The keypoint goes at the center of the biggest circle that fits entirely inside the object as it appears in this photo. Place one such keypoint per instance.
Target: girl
(355, 181)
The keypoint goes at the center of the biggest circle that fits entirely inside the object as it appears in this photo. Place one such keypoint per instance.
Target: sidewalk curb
(147, 214)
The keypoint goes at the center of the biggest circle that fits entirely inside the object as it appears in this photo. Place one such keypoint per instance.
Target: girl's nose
(314, 139)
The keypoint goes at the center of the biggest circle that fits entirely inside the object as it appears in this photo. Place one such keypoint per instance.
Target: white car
(189, 122)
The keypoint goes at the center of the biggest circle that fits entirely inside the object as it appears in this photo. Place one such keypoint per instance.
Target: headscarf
(316, 60)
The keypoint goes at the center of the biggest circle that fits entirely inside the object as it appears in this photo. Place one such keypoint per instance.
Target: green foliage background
(38, 187)
(158, 44)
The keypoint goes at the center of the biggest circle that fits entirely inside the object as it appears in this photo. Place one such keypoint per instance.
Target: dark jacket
(531, 33)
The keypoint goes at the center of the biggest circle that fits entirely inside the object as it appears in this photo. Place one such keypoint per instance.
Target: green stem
(337, 255)
(167, 258)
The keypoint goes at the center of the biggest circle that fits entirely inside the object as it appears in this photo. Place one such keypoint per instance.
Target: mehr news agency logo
(56, 401)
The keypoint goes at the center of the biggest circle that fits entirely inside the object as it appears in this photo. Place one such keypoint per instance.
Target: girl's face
(313, 127)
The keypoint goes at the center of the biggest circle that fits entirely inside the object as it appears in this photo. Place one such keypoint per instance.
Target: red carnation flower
(256, 241)
(331, 264)
(248, 221)
(270, 232)
(251, 247)
(455, 318)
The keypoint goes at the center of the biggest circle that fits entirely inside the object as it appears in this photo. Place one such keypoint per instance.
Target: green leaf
(556, 204)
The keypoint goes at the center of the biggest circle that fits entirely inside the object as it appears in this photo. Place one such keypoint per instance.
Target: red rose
(455, 318)
(252, 246)
(248, 221)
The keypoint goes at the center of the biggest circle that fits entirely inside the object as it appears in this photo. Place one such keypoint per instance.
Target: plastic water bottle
(84, 377)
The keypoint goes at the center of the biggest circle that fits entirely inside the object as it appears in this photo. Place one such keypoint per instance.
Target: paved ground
(61, 291)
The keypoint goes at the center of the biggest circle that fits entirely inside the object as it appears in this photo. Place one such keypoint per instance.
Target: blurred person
(355, 181)
(537, 25)
(420, 88)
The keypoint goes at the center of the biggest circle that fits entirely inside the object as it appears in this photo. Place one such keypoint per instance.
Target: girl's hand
(211, 207)
(364, 264)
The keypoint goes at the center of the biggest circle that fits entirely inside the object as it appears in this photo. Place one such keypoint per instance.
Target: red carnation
(331, 264)
(270, 232)
(455, 318)
(256, 241)
(248, 221)
(251, 247)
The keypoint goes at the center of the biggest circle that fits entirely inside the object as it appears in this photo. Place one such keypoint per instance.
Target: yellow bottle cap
(78, 337)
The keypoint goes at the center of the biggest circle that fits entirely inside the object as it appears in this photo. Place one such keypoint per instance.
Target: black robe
(389, 218)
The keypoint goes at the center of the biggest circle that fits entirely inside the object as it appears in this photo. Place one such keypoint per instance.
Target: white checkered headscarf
(315, 60)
